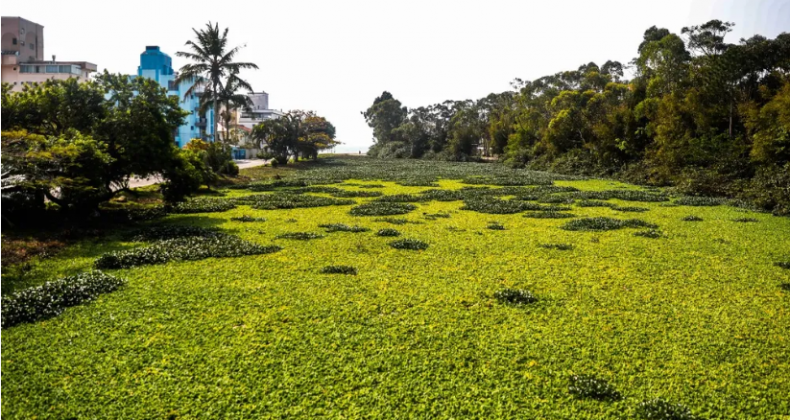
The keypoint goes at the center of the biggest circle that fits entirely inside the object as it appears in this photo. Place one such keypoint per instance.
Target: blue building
(156, 65)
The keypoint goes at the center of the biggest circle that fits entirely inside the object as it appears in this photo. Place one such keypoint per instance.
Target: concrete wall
(29, 38)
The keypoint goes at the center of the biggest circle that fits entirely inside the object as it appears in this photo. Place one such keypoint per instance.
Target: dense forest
(698, 113)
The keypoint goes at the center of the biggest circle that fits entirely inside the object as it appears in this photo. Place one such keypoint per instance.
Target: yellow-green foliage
(697, 317)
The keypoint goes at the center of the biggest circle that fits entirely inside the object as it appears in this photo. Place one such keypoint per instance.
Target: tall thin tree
(212, 65)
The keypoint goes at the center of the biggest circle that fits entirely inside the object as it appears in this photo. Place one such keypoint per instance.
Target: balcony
(10, 58)
(201, 123)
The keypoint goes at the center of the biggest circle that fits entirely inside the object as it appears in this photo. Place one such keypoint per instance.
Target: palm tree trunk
(216, 106)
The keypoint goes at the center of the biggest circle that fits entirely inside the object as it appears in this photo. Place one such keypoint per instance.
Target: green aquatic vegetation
(247, 218)
(299, 236)
(155, 233)
(549, 215)
(53, 297)
(434, 216)
(388, 232)
(661, 409)
(630, 209)
(356, 194)
(202, 205)
(555, 199)
(605, 223)
(183, 249)
(559, 247)
(382, 209)
(700, 201)
(290, 201)
(515, 297)
(393, 220)
(594, 203)
(692, 219)
(496, 226)
(339, 269)
(410, 244)
(340, 227)
(499, 206)
(400, 198)
(592, 387)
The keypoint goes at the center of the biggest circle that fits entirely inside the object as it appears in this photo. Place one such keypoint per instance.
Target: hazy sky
(335, 57)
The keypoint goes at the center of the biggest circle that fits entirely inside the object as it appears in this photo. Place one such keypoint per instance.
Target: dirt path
(142, 182)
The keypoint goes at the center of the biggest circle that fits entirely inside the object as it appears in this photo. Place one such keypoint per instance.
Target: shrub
(202, 205)
(387, 232)
(351, 194)
(700, 201)
(339, 227)
(434, 216)
(371, 186)
(496, 226)
(630, 209)
(183, 249)
(625, 195)
(339, 269)
(515, 297)
(652, 233)
(555, 199)
(51, 298)
(559, 247)
(549, 215)
(410, 244)
(496, 206)
(381, 209)
(443, 195)
(290, 201)
(247, 218)
(299, 236)
(660, 409)
(594, 203)
(135, 214)
(315, 189)
(783, 264)
(393, 220)
(158, 233)
(400, 198)
(691, 219)
(418, 182)
(586, 386)
(745, 220)
(605, 223)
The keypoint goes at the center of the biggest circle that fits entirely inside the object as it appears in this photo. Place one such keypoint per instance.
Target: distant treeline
(708, 117)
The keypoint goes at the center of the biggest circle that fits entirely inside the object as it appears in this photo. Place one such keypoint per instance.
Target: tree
(229, 99)
(213, 66)
(384, 116)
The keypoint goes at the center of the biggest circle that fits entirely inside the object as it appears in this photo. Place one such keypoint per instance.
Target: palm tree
(228, 98)
(212, 62)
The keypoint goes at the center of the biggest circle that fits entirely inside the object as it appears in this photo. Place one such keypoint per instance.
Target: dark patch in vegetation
(496, 206)
(52, 298)
(357, 194)
(549, 215)
(555, 199)
(700, 201)
(591, 387)
(625, 195)
(270, 186)
(387, 232)
(183, 249)
(381, 209)
(202, 205)
(496, 226)
(785, 287)
(783, 264)
(515, 297)
(559, 247)
(247, 218)
(605, 223)
(692, 219)
(594, 203)
(630, 209)
(300, 236)
(339, 227)
(652, 234)
(158, 233)
(313, 189)
(745, 220)
(400, 198)
(410, 244)
(660, 409)
(133, 214)
(371, 186)
(434, 216)
(418, 183)
(513, 179)
(290, 201)
(393, 220)
(339, 269)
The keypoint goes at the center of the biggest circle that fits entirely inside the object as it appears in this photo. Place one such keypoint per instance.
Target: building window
(13, 41)
(52, 69)
(192, 127)
(32, 46)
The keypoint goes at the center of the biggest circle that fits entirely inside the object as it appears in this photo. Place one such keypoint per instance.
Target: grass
(697, 319)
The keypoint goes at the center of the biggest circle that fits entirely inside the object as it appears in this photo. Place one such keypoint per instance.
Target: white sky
(335, 57)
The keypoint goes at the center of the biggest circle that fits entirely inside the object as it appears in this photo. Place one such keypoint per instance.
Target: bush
(393, 220)
(586, 386)
(339, 269)
(410, 244)
(496, 226)
(594, 203)
(625, 195)
(691, 219)
(51, 298)
(183, 249)
(434, 216)
(247, 218)
(158, 233)
(382, 209)
(133, 214)
(202, 205)
(352, 194)
(630, 209)
(299, 236)
(400, 198)
(229, 168)
(605, 223)
(559, 247)
(290, 201)
(549, 215)
(497, 206)
(700, 201)
(339, 227)
(393, 232)
(660, 409)
(652, 233)
(745, 220)
(515, 297)
(185, 175)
